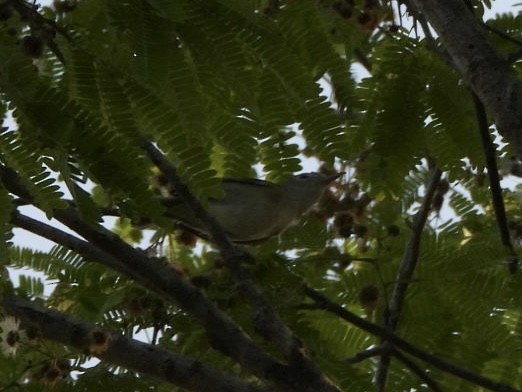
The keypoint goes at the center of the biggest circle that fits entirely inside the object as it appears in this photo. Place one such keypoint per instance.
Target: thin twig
(405, 274)
(514, 56)
(421, 373)
(494, 182)
(404, 345)
(502, 34)
(28, 12)
(363, 355)
(411, 254)
(430, 39)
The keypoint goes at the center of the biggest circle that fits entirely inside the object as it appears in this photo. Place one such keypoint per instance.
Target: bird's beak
(331, 178)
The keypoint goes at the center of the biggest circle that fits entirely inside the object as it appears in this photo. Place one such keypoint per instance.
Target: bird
(254, 210)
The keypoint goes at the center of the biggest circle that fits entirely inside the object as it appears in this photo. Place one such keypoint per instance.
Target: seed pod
(32, 46)
(369, 297)
(344, 223)
(98, 341)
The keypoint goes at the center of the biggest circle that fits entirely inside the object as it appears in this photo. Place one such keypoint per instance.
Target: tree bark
(129, 353)
(488, 74)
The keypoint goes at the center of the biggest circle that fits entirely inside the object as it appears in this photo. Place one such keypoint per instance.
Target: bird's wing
(250, 181)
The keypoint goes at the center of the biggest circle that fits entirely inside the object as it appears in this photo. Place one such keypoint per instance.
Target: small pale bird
(254, 210)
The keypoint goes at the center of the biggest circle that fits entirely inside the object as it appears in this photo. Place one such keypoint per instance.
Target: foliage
(237, 88)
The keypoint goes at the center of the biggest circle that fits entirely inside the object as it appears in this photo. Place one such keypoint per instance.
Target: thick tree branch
(69, 241)
(265, 319)
(399, 343)
(106, 248)
(129, 353)
(159, 277)
(488, 74)
(223, 333)
(487, 143)
(405, 274)
(232, 254)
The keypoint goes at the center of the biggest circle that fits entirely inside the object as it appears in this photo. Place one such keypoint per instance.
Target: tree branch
(83, 248)
(502, 34)
(108, 249)
(411, 255)
(385, 334)
(363, 355)
(405, 274)
(231, 253)
(129, 353)
(487, 144)
(105, 247)
(265, 319)
(224, 335)
(488, 74)
(384, 348)
(421, 373)
(494, 182)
